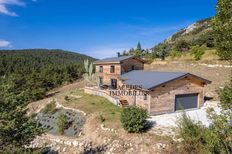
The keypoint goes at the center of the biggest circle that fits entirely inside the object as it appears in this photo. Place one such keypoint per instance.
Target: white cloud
(5, 10)
(4, 43)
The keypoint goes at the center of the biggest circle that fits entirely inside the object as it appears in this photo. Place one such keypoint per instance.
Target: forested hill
(198, 33)
(28, 74)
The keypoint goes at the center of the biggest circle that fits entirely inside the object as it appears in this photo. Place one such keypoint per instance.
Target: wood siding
(163, 98)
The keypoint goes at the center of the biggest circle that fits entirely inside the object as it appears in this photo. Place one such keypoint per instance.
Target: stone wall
(124, 66)
(106, 75)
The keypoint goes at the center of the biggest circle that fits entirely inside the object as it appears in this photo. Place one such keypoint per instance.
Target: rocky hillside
(198, 33)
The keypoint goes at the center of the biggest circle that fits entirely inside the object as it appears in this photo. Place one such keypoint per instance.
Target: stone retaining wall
(98, 92)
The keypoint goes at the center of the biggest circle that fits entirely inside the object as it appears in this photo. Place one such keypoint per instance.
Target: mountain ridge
(197, 33)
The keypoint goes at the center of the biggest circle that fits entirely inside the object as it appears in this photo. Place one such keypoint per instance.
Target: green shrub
(182, 45)
(225, 96)
(66, 98)
(133, 119)
(196, 138)
(50, 108)
(162, 50)
(175, 54)
(198, 51)
(62, 123)
(148, 58)
(193, 136)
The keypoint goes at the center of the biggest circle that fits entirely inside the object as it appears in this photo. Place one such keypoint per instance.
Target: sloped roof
(113, 59)
(151, 79)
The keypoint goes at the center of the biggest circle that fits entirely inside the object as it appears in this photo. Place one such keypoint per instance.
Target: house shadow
(149, 125)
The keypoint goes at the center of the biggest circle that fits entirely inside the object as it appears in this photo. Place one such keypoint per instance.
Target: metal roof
(114, 59)
(150, 79)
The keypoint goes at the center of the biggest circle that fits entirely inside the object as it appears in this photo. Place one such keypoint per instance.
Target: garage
(186, 101)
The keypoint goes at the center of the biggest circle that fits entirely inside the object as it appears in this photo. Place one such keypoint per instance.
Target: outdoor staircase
(124, 103)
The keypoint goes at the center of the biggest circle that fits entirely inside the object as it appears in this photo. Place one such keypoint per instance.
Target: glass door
(114, 83)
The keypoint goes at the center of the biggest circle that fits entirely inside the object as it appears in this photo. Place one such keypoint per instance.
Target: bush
(133, 119)
(196, 138)
(193, 135)
(148, 58)
(225, 96)
(50, 108)
(162, 50)
(66, 98)
(182, 45)
(175, 54)
(62, 123)
(198, 51)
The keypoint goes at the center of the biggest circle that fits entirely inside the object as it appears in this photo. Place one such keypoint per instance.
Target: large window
(100, 68)
(112, 69)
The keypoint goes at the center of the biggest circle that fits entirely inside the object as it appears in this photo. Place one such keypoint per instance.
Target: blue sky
(98, 28)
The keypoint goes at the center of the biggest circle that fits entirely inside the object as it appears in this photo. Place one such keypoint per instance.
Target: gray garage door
(186, 101)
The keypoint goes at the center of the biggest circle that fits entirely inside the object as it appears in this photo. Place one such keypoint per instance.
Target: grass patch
(96, 104)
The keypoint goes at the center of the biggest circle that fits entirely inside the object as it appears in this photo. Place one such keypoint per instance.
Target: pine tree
(17, 129)
(139, 47)
(138, 51)
(222, 25)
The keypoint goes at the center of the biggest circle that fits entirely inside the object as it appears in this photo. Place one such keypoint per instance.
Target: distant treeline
(28, 74)
(196, 41)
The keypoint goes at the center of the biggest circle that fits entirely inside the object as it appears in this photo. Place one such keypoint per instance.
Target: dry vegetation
(209, 55)
(215, 72)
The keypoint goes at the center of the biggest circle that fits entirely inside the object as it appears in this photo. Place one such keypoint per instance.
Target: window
(112, 69)
(101, 69)
(132, 67)
(145, 97)
(101, 80)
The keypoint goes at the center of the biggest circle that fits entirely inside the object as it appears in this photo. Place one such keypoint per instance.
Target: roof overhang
(205, 81)
(102, 63)
(99, 62)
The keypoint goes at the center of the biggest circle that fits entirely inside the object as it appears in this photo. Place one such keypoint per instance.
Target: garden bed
(74, 122)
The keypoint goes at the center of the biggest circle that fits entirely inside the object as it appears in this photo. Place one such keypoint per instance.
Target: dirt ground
(216, 71)
(97, 138)
(57, 93)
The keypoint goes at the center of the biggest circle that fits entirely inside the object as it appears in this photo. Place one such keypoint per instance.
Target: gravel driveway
(163, 124)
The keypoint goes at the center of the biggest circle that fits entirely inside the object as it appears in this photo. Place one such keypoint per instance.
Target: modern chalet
(158, 92)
